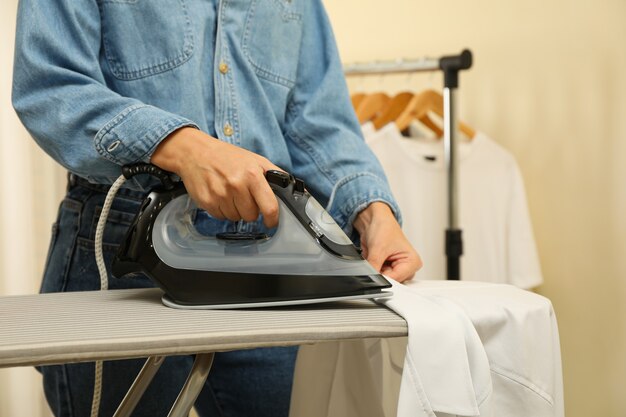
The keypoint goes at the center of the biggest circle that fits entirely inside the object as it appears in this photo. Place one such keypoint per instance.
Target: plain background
(548, 84)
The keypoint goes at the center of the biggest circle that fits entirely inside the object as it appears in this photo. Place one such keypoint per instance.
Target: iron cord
(104, 282)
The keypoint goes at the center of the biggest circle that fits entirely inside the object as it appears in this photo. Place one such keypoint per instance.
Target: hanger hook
(431, 80)
(409, 79)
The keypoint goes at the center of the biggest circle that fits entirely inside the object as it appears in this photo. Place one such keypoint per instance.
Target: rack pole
(453, 234)
(451, 66)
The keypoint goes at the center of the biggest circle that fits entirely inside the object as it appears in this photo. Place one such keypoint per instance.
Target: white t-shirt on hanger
(498, 242)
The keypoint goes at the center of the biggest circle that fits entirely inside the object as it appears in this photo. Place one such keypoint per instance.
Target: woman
(218, 93)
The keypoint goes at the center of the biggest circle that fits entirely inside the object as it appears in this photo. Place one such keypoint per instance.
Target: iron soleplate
(167, 301)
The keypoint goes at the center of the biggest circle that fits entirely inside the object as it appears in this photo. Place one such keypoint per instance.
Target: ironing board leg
(197, 377)
(138, 388)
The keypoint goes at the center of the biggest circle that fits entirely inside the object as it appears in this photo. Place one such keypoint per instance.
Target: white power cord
(104, 282)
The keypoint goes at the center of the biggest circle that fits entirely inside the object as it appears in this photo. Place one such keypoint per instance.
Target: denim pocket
(145, 37)
(115, 227)
(61, 248)
(271, 39)
(83, 273)
(53, 237)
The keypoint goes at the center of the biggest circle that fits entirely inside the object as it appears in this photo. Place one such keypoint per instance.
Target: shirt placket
(227, 124)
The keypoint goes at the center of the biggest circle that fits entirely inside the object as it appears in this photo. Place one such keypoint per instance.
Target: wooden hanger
(371, 106)
(419, 107)
(393, 109)
(356, 99)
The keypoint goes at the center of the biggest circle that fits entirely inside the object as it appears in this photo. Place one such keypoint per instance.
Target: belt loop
(71, 181)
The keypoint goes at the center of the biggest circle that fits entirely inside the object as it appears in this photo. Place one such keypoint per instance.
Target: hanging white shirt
(498, 241)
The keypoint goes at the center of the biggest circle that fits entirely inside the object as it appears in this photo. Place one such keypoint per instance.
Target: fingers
(400, 270)
(364, 249)
(267, 202)
(239, 197)
(235, 201)
(205, 200)
(232, 206)
(230, 210)
(261, 197)
(376, 259)
(399, 263)
(251, 194)
(225, 180)
(384, 245)
(246, 206)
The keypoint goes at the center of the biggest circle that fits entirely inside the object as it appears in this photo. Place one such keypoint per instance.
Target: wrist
(373, 212)
(169, 154)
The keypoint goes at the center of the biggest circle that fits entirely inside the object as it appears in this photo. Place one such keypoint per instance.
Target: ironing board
(121, 324)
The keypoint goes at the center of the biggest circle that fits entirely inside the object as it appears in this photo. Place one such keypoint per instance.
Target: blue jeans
(254, 382)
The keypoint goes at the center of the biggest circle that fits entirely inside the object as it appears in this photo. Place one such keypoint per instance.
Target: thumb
(399, 271)
(376, 258)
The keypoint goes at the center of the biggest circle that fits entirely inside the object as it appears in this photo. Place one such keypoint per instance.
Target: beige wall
(549, 84)
(32, 186)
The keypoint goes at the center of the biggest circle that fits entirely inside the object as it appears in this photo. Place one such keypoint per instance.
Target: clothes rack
(450, 66)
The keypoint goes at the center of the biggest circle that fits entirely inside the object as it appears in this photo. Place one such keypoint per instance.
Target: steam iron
(308, 260)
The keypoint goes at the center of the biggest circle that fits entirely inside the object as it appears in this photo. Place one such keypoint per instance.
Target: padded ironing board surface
(86, 326)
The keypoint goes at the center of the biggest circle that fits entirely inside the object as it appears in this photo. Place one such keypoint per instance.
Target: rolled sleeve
(133, 134)
(354, 193)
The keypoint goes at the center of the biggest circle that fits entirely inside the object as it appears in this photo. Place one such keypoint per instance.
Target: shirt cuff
(353, 194)
(133, 135)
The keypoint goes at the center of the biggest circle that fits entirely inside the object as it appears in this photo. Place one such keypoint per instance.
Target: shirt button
(223, 67)
(228, 130)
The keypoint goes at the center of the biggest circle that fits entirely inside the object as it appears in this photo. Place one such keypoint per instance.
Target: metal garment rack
(451, 66)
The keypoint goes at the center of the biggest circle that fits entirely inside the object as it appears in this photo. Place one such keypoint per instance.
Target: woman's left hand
(384, 245)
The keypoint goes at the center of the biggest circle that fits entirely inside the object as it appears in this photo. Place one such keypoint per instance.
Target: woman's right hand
(225, 180)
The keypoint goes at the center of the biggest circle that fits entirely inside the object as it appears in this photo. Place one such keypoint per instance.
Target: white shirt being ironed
(474, 349)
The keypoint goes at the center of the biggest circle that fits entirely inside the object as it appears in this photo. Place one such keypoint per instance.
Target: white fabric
(520, 335)
(497, 233)
(441, 341)
(365, 378)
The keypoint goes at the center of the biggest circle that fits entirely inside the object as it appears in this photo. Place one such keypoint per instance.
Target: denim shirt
(99, 83)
